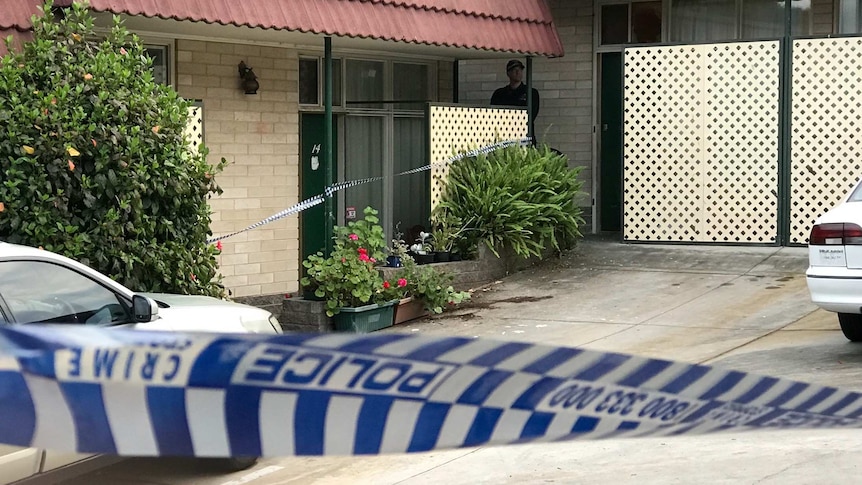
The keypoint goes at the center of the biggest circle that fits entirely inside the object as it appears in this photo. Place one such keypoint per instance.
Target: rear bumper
(835, 289)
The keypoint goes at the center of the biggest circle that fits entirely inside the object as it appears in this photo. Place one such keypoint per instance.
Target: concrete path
(740, 307)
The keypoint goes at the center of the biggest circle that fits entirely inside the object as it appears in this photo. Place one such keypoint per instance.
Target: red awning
(522, 26)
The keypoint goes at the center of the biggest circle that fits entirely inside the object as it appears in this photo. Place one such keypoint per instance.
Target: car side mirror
(144, 309)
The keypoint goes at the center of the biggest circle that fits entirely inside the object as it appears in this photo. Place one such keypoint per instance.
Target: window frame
(169, 46)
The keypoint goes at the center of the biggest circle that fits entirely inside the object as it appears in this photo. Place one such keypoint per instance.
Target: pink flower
(402, 282)
(123, 50)
(353, 237)
(362, 251)
(218, 245)
(386, 285)
(373, 260)
(364, 257)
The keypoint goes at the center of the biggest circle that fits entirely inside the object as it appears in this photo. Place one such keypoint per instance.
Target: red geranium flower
(386, 285)
(402, 282)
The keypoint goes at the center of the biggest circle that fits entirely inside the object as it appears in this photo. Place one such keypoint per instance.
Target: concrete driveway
(739, 307)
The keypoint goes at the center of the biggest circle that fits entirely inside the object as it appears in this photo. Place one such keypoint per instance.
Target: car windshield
(856, 196)
(36, 291)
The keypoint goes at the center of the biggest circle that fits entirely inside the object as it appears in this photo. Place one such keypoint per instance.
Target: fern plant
(523, 198)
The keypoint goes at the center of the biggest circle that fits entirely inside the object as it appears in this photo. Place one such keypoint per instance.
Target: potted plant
(446, 230)
(348, 279)
(398, 251)
(423, 250)
(397, 288)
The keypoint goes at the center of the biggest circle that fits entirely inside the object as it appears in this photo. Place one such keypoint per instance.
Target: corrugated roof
(15, 21)
(522, 26)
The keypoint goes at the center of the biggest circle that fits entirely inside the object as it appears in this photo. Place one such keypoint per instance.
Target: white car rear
(834, 274)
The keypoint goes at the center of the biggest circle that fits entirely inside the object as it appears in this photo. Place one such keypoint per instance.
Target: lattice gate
(826, 138)
(702, 136)
(701, 143)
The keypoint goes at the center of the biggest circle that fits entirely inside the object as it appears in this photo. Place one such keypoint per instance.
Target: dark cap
(513, 64)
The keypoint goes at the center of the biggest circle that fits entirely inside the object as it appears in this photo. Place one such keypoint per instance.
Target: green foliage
(523, 198)
(446, 228)
(348, 278)
(434, 288)
(94, 163)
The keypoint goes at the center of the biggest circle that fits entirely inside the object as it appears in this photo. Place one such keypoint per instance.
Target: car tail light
(835, 234)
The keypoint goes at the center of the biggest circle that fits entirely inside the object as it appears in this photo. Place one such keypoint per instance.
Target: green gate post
(329, 221)
(784, 115)
(530, 128)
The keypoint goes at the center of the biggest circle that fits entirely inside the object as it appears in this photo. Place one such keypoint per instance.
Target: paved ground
(740, 307)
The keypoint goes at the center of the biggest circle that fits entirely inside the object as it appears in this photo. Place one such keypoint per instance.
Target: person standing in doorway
(515, 93)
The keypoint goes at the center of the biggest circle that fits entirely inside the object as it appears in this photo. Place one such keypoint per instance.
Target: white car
(38, 286)
(834, 273)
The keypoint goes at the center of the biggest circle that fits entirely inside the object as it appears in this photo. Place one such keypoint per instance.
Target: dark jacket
(506, 96)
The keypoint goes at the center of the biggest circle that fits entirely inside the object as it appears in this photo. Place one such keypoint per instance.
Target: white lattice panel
(663, 143)
(456, 129)
(700, 143)
(741, 150)
(194, 131)
(826, 144)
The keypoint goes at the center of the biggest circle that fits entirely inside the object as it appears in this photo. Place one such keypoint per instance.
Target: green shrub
(432, 287)
(523, 198)
(94, 163)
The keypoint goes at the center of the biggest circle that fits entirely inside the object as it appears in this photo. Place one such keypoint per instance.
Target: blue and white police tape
(216, 395)
(332, 189)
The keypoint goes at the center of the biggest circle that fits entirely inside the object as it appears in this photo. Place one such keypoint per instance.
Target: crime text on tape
(332, 189)
(141, 393)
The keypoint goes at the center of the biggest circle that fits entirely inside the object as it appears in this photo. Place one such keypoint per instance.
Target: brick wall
(259, 136)
(445, 81)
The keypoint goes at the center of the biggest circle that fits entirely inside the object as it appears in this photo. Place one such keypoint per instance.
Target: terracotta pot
(409, 309)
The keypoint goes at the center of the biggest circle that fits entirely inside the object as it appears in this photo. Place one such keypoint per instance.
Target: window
(409, 86)
(721, 20)
(635, 22)
(41, 292)
(364, 84)
(849, 16)
(161, 65)
(311, 81)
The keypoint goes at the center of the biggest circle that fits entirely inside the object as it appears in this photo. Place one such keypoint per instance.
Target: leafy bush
(94, 163)
(348, 277)
(523, 198)
(434, 288)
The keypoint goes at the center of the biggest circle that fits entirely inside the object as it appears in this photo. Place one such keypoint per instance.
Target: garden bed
(301, 315)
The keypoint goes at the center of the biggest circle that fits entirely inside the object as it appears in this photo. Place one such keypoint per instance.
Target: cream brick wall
(259, 136)
(445, 81)
(565, 86)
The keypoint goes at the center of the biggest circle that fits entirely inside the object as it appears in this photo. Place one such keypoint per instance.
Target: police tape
(332, 189)
(137, 393)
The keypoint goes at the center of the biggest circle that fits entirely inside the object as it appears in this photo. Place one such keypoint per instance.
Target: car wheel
(851, 325)
(235, 464)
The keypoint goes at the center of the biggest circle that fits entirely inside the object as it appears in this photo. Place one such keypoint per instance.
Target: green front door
(313, 176)
(611, 142)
